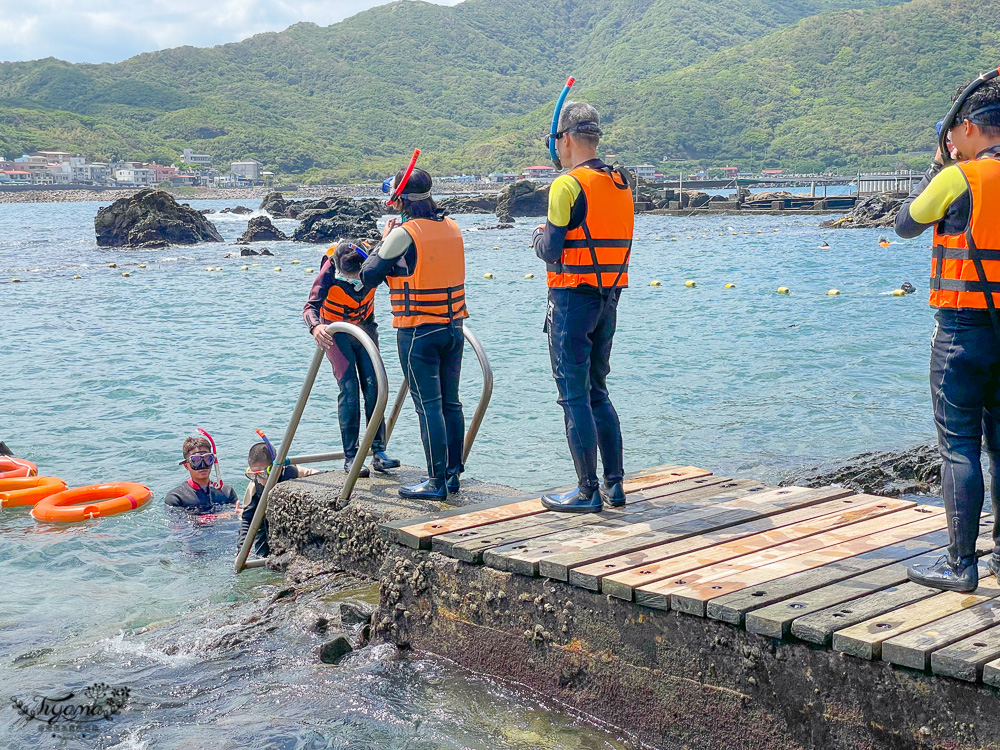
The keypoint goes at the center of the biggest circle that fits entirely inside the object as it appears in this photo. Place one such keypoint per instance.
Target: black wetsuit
(202, 499)
(260, 543)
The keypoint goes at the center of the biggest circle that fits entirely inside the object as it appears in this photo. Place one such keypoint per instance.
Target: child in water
(199, 493)
(258, 464)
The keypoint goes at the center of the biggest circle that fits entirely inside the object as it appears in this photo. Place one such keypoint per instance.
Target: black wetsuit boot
(958, 570)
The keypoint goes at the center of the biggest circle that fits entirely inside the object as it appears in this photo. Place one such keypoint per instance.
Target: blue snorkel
(554, 130)
(267, 443)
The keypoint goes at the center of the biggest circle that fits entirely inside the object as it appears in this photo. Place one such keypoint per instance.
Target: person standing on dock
(586, 243)
(339, 295)
(962, 204)
(422, 259)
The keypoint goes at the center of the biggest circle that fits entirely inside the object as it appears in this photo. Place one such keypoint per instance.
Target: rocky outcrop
(339, 220)
(876, 212)
(893, 473)
(260, 229)
(278, 207)
(522, 198)
(239, 211)
(151, 219)
(469, 204)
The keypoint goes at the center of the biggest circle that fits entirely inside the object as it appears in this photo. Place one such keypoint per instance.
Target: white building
(139, 176)
(251, 169)
(645, 171)
(190, 157)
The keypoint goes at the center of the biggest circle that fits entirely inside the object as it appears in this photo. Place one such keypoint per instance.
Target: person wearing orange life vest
(586, 244)
(962, 204)
(422, 259)
(338, 294)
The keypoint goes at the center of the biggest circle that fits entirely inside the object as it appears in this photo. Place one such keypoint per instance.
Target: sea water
(102, 377)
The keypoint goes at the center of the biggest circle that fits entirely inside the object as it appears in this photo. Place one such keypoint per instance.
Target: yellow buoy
(729, 286)
(495, 247)
(656, 239)
(673, 239)
(255, 265)
(142, 265)
(244, 268)
(760, 231)
(487, 275)
(218, 268)
(895, 292)
(529, 275)
(775, 230)
(296, 262)
(309, 270)
(690, 238)
(277, 269)
(15, 281)
(112, 265)
(783, 290)
(78, 277)
(209, 268)
(833, 292)
(126, 275)
(655, 282)
(689, 283)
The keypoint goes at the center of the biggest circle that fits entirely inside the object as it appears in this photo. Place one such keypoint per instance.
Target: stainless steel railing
(363, 449)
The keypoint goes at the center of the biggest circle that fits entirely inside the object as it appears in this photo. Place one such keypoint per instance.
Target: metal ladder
(283, 459)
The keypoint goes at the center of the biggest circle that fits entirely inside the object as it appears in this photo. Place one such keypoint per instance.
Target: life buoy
(92, 501)
(11, 467)
(15, 493)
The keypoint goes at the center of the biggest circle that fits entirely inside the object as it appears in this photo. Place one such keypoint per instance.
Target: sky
(113, 30)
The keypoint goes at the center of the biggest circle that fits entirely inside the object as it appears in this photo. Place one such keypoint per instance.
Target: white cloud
(113, 30)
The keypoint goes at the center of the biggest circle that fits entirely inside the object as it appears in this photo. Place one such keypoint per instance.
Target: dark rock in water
(469, 204)
(497, 226)
(239, 210)
(356, 613)
(341, 219)
(333, 651)
(878, 211)
(891, 473)
(279, 207)
(244, 251)
(522, 198)
(275, 204)
(265, 251)
(206, 211)
(149, 219)
(260, 229)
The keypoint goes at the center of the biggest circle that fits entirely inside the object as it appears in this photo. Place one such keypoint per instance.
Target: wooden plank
(732, 608)
(967, 659)
(699, 587)
(558, 563)
(419, 535)
(991, 673)
(865, 639)
(914, 648)
(784, 527)
(469, 544)
(523, 557)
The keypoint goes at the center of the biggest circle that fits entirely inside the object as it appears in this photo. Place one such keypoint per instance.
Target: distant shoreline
(247, 196)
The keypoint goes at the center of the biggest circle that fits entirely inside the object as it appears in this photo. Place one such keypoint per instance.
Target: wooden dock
(823, 566)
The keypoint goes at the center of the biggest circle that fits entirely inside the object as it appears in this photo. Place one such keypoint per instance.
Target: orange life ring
(11, 467)
(92, 501)
(23, 491)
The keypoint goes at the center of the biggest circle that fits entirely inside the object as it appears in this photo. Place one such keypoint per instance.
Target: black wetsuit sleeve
(173, 499)
(905, 225)
(317, 295)
(376, 269)
(230, 495)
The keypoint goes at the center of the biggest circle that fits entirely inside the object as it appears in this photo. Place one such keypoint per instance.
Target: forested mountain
(813, 82)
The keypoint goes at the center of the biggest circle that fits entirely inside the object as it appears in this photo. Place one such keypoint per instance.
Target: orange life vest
(966, 266)
(603, 243)
(339, 305)
(435, 291)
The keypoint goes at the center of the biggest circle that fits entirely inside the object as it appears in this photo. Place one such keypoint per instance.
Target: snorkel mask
(215, 454)
(395, 191)
(554, 133)
(949, 121)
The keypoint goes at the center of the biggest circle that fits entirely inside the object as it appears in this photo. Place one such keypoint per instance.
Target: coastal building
(729, 171)
(501, 177)
(59, 174)
(15, 176)
(249, 169)
(645, 171)
(163, 172)
(137, 176)
(188, 156)
(771, 172)
(539, 172)
(55, 157)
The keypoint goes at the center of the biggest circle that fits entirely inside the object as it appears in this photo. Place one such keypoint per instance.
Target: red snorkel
(218, 471)
(397, 190)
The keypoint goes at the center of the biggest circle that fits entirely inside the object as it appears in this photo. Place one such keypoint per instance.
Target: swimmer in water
(825, 245)
(199, 494)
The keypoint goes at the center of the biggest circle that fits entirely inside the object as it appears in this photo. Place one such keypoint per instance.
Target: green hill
(471, 85)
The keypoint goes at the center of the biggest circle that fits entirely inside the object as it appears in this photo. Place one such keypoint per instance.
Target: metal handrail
(484, 396)
(282, 458)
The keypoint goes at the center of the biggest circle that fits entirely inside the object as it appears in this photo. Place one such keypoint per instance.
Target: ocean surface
(102, 377)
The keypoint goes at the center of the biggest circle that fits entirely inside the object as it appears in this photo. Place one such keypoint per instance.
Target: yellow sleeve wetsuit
(567, 210)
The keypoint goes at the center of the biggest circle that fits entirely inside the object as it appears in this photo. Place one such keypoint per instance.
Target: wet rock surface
(469, 204)
(875, 212)
(522, 198)
(333, 651)
(914, 471)
(260, 229)
(152, 219)
(238, 210)
(279, 207)
(342, 219)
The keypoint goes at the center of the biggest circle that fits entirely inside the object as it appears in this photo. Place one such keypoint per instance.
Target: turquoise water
(102, 378)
